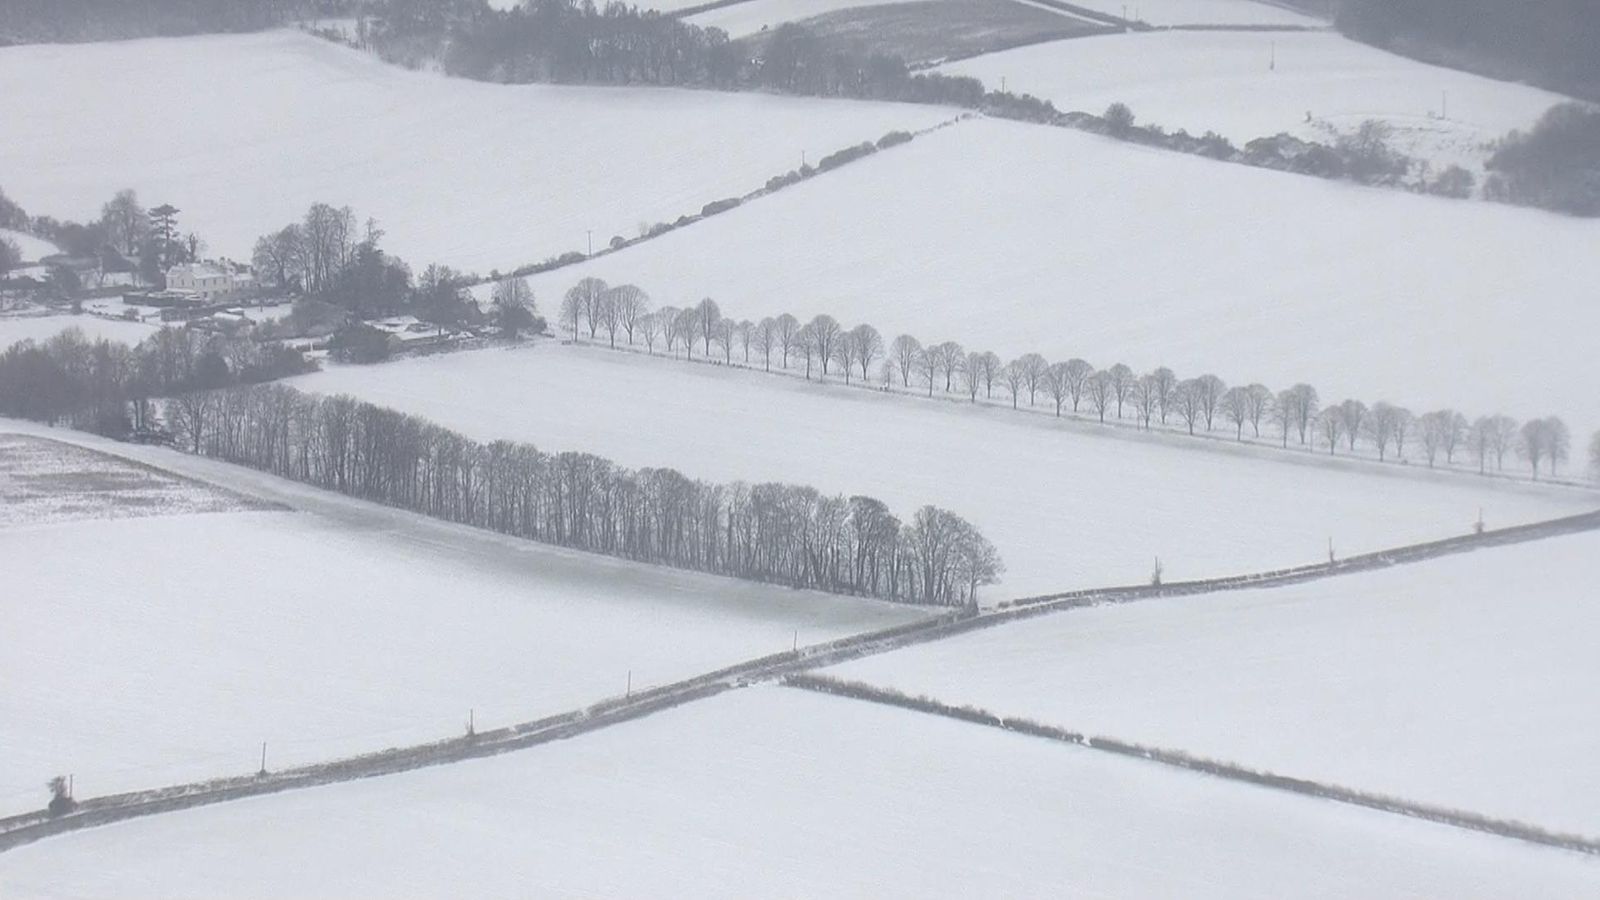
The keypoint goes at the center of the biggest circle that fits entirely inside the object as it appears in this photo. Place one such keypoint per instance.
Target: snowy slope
(42, 328)
(1068, 507)
(1246, 85)
(769, 792)
(747, 18)
(1463, 682)
(1201, 12)
(244, 132)
(33, 249)
(1016, 238)
(167, 648)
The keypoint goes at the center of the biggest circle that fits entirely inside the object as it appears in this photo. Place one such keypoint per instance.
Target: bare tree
(951, 357)
(1122, 379)
(126, 222)
(649, 326)
(766, 338)
(1211, 390)
(1259, 402)
(605, 310)
(1454, 426)
(825, 331)
(1077, 372)
(1296, 409)
(788, 335)
(1166, 381)
(867, 346)
(1236, 406)
(746, 333)
(632, 305)
(1146, 399)
(1331, 423)
(1033, 368)
(1012, 377)
(1058, 384)
(903, 355)
(1379, 425)
(572, 314)
(928, 365)
(808, 346)
(722, 336)
(1187, 399)
(988, 369)
(685, 330)
(1404, 423)
(1101, 392)
(708, 315)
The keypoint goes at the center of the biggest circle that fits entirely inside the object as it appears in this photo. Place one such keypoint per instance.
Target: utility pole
(1444, 104)
(1272, 64)
(263, 771)
(1002, 84)
(629, 692)
(590, 234)
(471, 725)
(1330, 551)
(796, 646)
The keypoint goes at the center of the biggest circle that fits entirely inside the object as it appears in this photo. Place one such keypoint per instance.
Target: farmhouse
(210, 281)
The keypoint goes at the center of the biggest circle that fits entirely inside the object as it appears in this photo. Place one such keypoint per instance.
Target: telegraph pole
(263, 771)
(590, 234)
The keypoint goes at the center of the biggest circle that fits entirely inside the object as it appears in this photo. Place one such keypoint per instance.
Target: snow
(33, 249)
(42, 328)
(470, 174)
(46, 482)
(1221, 81)
(166, 649)
(752, 16)
(1015, 238)
(1068, 506)
(1201, 12)
(776, 793)
(1465, 682)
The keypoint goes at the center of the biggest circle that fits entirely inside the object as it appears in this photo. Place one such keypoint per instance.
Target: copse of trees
(778, 533)
(1199, 406)
(1556, 165)
(107, 387)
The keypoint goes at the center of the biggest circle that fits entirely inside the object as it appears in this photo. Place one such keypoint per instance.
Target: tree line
(108, 387)
(777, 533)
(1204, 404)
(66, 21)
(126, 238)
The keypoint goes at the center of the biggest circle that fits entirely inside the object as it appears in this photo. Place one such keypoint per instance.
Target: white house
(211, 282)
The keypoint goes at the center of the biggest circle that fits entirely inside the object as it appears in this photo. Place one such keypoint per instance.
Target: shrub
(894, 138)
(361, 344)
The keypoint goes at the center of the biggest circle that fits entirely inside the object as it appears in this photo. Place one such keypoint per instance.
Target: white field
(1222, 81)
(1201, 12)
(1068, 506)
(42, 328)
(167, 648)
(1017, 238)
(752, 16)
(33, 249)
(466, 173)
(1464, 682)
(771, 792)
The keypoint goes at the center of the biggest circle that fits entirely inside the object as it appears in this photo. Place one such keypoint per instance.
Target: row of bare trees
(822, 347)
(778, 533)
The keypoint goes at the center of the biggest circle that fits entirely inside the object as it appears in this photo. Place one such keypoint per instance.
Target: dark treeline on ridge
(1553, 42)
(39, 21)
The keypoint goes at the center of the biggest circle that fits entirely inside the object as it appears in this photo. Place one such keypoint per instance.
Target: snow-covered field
(470, 174)
(42, 328)
(1228, 82)
(771, 792)
(33, 249)
(752, 16)
(1464, 682)
(1016, 238)
(1201, 12)
(46, 482)
(142, 652)
(1067, 506)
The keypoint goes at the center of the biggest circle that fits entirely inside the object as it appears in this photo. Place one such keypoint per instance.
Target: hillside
(1457, 682)
(1067, 507)
(326, 629)
(1248, 85)
(474, 175)
(1018, 238)
(774, 792)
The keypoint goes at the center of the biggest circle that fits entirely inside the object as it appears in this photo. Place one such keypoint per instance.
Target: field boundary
(1170, 435)
(1462, 819)
(25, 828)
